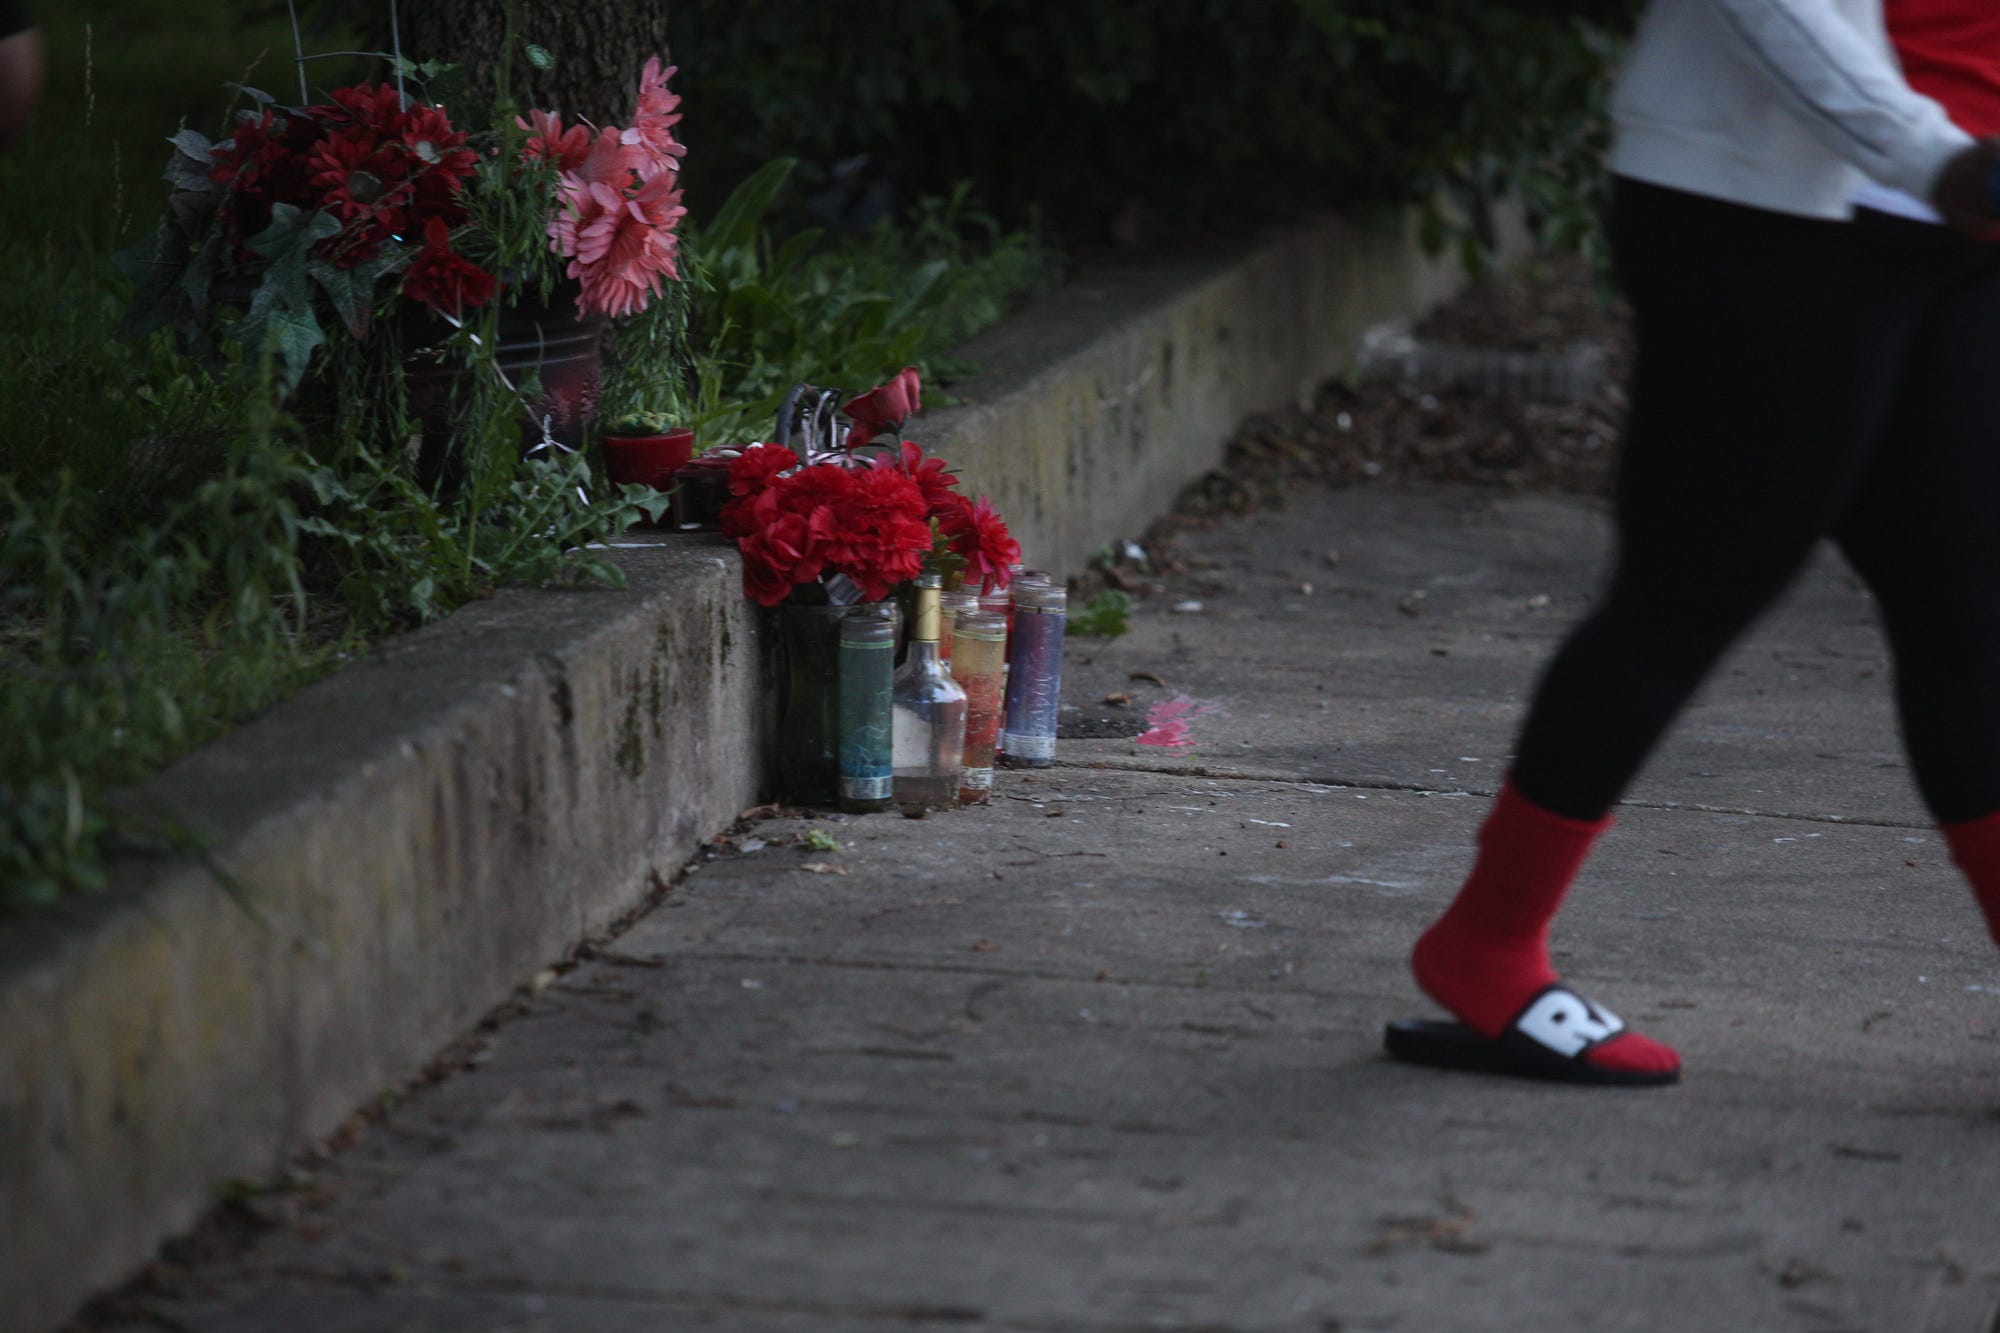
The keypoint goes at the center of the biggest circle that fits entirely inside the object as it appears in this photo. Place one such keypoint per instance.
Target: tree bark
(598, 48)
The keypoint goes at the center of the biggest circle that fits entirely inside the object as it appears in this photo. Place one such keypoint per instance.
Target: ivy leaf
(186, 176)
(292, 232)
(281, 316)
(193, 159)
(257, 95)
(196, 145)
(297, 336)
(353, 289)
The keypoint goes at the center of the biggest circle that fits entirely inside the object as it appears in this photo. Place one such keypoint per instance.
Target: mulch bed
(1397, 435)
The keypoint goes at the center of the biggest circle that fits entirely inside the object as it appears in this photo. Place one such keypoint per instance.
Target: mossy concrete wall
(410, 838)
(415, 836)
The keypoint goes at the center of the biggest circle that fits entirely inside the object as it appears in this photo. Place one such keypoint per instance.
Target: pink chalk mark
(1167, 722)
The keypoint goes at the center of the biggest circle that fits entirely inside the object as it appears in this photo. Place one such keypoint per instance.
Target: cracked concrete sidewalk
(1104, 1055)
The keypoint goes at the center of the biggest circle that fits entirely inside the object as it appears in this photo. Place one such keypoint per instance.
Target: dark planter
(544, 341)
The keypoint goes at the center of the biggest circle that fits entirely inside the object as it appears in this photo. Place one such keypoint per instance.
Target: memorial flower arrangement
(343, 207)
(874, 522)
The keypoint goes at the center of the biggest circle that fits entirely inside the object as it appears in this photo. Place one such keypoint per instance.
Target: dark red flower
(366, 187)
(822, 484)
(878, 534)
(266, 161)
(442, 278)
(777, 558)
(869, 524)
(381, 168)
(936, 484)
(755, 468)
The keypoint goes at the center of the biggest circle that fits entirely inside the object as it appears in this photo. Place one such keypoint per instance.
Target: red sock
(1975, 845)
(1488, 955)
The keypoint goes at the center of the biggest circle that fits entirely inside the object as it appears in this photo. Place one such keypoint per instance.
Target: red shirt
(1950, 51)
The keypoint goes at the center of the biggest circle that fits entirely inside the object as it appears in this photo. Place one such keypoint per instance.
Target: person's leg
(1925, 534)
(1765, 362)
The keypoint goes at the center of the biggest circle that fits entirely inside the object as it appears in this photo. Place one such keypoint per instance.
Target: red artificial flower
(869, 524)
(884, 408)
(751, 478)
(879, 534)
(443, 279)
(756, 466)
(936, 484)
(563, 149)
(376, 107)
(812, 487)
(362, 184)
(265, 162)
(889, 492)
(777, 558)
(978, 534)
(381, 168)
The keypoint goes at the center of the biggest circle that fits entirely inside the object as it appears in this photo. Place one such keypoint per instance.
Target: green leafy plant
(1108, 615)
(404, 557)
(771, 309)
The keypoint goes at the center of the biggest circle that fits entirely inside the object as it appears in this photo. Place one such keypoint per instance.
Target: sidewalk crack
(1217, 773)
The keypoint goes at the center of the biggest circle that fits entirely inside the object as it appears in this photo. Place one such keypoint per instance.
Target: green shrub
(1203, 111)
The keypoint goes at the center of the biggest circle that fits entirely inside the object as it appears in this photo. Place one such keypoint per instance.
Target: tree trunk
(598, 48)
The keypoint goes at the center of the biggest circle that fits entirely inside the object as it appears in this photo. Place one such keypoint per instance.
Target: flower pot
(648, 460)
(540, 340)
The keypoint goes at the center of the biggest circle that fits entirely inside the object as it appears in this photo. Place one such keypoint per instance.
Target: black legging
(1796, 379)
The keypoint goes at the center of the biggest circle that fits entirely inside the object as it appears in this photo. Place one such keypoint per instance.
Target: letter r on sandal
(1567, 1023)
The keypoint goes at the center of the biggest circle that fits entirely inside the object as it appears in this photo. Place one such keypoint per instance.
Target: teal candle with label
(867, 677)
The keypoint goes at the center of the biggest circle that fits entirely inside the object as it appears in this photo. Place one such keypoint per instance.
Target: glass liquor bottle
(929, 709)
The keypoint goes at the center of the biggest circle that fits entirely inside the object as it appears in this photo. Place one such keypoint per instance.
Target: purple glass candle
(1034, 674)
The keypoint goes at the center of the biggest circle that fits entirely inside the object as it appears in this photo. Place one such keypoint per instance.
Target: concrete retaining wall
(418, 834)
(1095, 408)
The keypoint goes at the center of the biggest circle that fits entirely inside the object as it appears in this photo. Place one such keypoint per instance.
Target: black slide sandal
(1548, 1039)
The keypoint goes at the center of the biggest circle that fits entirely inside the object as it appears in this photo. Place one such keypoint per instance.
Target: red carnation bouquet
(870, 523)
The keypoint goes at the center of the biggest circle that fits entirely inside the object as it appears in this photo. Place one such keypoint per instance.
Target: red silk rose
(884, 408)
